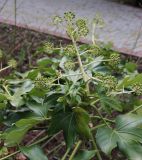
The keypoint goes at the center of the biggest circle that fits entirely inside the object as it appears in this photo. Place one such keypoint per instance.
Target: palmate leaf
(15, 134)
(72, 123)
(34, 153)
(64, 121)
(127, 136)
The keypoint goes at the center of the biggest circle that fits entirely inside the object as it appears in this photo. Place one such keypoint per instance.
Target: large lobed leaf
(127, 135)
(72, 123)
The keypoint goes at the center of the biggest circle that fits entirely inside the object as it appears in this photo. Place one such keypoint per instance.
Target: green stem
(106, 60)
(96, 148)
(135, 109)
(66, 154)
(98, 126)
(5, 87)
(75, 150)
(93, 33)
(85, 77)
(100, 115)
(56, 148)
(4, 68)
(50, 139)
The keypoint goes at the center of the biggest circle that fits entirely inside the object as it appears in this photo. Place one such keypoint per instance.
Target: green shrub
(84, 90)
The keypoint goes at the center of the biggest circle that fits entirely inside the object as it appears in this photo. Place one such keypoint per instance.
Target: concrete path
(123, 24)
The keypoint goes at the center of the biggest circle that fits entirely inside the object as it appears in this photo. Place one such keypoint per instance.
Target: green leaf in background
(44, 62)
(71, 123)
(132, 150)
(33, 74)
(39, 109)
(64, 121)
(85, 155)
(15, 135)
(130, 66)
(2, 106)
(110, 103)
(130, 80)
(127, 136)
(2, 97)
(17, 100)
(33, 153)
(82, 122)
(28, 122)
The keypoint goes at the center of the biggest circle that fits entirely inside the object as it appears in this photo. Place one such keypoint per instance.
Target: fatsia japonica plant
(85, 91)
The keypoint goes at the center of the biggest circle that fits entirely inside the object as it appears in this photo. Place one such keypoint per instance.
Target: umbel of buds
(108, 82)
(82, 27)
(69, 16)
(114, 59)
(48, 47)
(12, 63)
(57, 20)
(69, 65)
(43, 82)
(137, 88)
(70, 51)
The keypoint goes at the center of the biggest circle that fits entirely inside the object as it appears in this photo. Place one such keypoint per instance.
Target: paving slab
(123, 24)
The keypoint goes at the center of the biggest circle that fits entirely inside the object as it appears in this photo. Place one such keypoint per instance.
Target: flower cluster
(98, 21)
(12, 63)
(82, 27)
(69, 16)
(69, 65)
(114, 59)
(57, 20)
(70, 51)
(48, 47)
(43, 82)
(137, 88)
(108, 81)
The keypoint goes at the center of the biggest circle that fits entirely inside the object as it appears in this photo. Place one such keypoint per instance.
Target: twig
(36, 137)
(75, 150)
(65, 155)
(50, 139)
